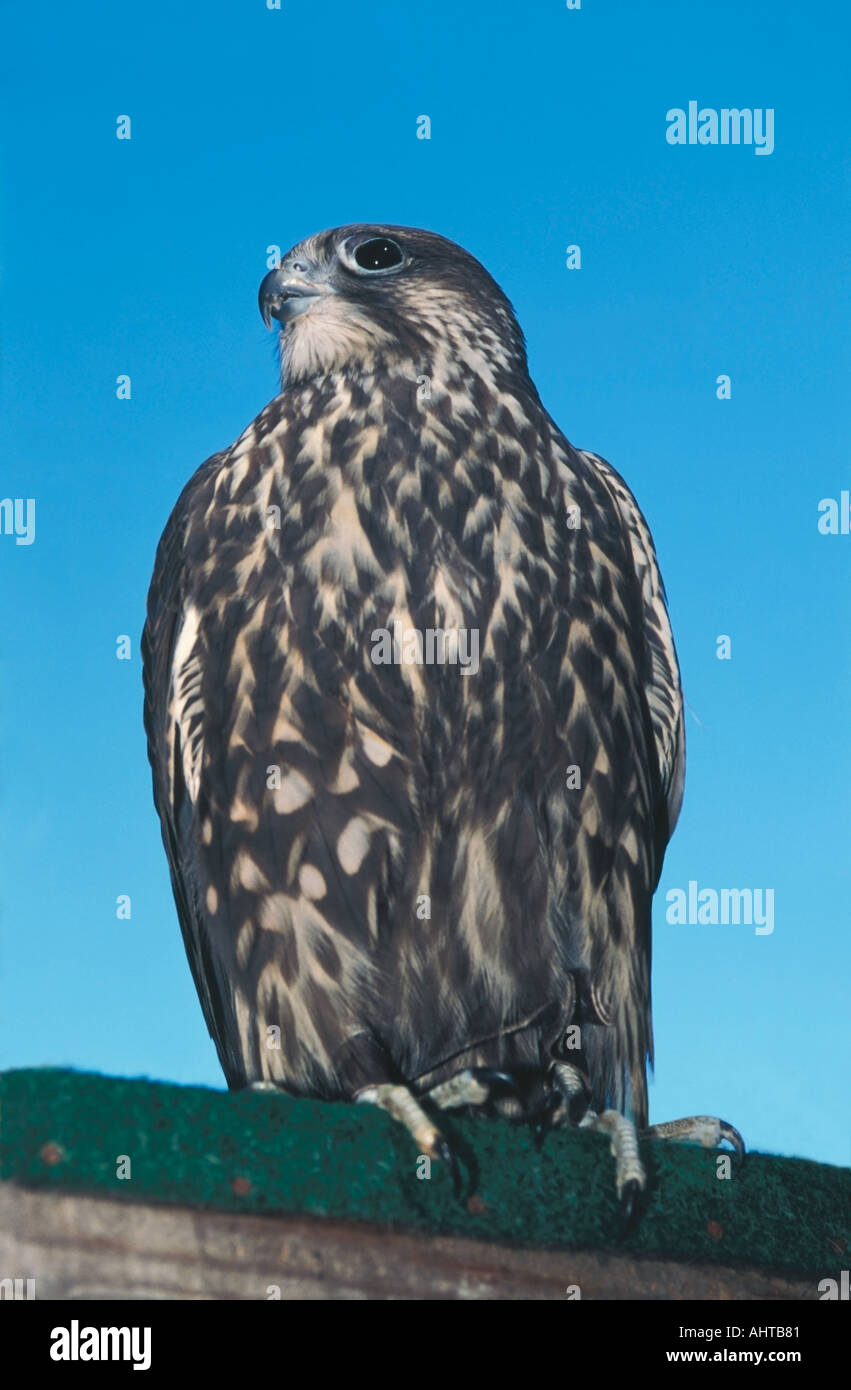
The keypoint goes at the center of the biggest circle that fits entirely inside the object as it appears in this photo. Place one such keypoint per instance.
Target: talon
(629, 1205)
(445, 1154)
(498, 1082)
(402, 1106)
(544, 1122)
(734, 1139)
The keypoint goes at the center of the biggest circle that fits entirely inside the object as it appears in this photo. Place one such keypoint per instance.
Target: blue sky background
(252, 127)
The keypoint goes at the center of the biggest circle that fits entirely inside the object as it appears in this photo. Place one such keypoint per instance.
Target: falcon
(415, 722)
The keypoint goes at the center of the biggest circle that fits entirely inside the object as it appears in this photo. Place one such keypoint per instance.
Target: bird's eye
(378, 254)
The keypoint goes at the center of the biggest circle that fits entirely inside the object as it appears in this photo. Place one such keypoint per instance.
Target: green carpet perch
(68, 1131)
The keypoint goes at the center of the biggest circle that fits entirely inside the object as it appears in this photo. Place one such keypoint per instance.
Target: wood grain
(89, 1248)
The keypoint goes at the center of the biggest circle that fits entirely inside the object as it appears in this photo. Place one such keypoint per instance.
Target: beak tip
(283, 296)
(266, 297)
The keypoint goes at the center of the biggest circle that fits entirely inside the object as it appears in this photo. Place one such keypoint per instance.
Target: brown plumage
(418, 888)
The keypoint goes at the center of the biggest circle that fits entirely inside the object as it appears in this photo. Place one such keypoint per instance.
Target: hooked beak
(284, 294)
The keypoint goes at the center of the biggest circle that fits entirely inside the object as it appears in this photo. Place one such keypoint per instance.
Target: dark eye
(378, 254)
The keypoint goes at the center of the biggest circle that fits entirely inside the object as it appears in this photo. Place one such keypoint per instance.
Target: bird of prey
(414, 717)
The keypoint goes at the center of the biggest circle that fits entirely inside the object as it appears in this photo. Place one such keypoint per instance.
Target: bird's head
(364, 296)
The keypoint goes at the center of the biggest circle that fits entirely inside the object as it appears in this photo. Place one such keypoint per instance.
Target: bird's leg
(573, 1089)
(402, 1105)
(630, 1177)
(476, 1086)
(706, 1130)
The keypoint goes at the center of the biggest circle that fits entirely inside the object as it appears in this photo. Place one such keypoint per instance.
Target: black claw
(500, 1083)
(629, 1206)
(544, 1121)
(734, 1138)
(445, 1154)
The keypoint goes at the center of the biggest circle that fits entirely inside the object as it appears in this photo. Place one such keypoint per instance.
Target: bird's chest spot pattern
(347, 788)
